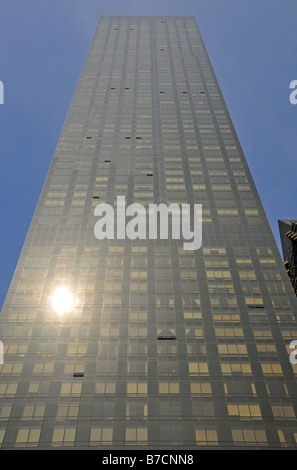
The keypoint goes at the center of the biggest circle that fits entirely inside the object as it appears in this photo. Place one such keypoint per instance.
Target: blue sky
(43, 44)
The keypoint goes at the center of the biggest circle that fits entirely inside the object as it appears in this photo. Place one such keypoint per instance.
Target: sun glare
(62, 300)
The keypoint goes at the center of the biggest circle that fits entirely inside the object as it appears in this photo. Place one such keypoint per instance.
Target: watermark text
(293, 94)
(142, 225)
(1, 353)
(1, 93)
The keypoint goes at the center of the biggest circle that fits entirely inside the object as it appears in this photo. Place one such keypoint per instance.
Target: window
(101, 434)
(139, 434)
(27, 436)
(206, 436)
(64, 435)
(244, 410)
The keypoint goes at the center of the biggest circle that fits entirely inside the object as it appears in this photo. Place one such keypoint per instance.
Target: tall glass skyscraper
(127, 344)
(288, 237)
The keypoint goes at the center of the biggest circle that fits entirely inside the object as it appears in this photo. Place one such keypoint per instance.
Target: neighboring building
(148, 345)
(288, 236)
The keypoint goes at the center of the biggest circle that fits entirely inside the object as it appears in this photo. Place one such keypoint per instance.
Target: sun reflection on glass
(62, 300)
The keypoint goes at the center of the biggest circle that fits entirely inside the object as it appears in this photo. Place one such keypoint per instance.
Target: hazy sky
(43, 44)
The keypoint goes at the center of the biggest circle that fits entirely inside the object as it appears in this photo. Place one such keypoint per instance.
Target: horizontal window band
(255, 306)
(166, 338)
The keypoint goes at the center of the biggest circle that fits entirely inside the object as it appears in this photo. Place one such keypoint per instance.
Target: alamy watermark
(293, 94)
(293, 355)
(1, 353)
(1, 93)
(143, 225)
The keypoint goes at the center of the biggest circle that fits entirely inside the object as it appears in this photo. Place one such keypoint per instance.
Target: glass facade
(120, 344)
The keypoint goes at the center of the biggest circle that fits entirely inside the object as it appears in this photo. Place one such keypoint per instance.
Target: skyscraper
(120, 343)
(288, 236)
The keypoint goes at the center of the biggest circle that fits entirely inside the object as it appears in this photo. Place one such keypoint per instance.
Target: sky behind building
(252, 46)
